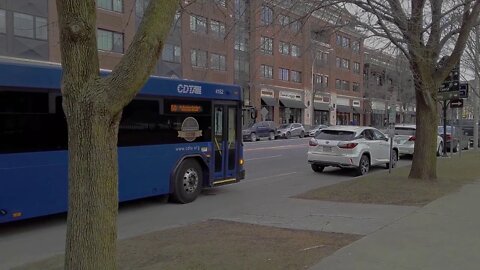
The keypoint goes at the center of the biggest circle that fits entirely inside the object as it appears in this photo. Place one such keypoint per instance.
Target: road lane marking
(267, 177)
(249, 159)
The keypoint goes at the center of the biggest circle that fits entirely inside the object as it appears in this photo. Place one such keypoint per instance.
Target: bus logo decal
(189, 89)
(190, 129)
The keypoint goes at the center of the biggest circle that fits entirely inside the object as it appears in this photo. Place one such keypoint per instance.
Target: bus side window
(26, 124)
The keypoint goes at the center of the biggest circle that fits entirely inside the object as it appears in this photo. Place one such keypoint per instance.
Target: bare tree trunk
(92, 143)
(424, 165)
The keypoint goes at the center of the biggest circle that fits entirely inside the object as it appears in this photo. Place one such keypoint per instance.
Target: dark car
(264, 129)
(457, 143)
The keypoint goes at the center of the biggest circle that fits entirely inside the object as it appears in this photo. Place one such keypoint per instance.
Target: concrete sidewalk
(445, 234)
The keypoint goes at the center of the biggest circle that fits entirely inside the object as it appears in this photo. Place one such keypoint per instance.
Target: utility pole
(476, 112)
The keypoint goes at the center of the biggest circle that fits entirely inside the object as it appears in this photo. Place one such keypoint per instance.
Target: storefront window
(343, 118)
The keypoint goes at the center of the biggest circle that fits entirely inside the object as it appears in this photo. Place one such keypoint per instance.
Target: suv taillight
(412, 139)
(347, 145)
(313, 142)
(449, 137)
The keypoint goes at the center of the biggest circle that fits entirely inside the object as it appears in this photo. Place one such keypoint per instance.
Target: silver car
(291, 130)
(315, 130)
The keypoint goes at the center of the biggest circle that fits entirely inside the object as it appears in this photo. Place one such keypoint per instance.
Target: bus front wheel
(188, 182)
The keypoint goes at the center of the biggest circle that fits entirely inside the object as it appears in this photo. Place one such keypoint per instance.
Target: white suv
(350, 147)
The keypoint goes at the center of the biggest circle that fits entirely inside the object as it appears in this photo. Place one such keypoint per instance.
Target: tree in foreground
(93, 107)
(425, 31)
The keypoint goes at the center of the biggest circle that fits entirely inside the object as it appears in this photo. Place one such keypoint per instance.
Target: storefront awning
(269, 101)
(357, 110)
(292, 103)
(345, 109)
(321, 106)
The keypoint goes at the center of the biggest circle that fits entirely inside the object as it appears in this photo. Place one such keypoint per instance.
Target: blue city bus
(175, 137)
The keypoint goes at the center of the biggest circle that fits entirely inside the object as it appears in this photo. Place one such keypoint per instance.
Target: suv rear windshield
(336, 135)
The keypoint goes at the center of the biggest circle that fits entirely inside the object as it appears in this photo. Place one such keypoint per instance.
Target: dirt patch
(396, 188)
(217, 244)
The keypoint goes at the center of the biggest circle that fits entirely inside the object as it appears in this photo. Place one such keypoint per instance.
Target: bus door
(225, 142)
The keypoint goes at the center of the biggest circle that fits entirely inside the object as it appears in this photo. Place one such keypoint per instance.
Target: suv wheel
(287, 135)
(363, 166)
(317, 168)
(302, 134)
(271, 136)
(253, 137)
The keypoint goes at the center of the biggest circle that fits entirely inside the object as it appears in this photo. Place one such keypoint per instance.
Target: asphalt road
(276, 170)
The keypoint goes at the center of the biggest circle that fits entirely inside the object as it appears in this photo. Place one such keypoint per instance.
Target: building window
(345, 42)
(284, 48)
(346, 85)
(41, 28)
(296, 76)
(295, 51)
(3, 27)
(171, 53)
(217, 62)
(198, 24)
(356, 67)
(113, 5)
(338, 62)
(221, 3)
(356, 46)
(283, 20)
(296, 26)
(23, 25)
(241, 42)
(217, 28)
(325, 80)
(356, 87)
(338, 84)
(266, 15)
(339, 40)
(322, 57)
(198, 58)
(345, 63)
(266, 71)
(109, 41)
(283, 74)
(266, 45)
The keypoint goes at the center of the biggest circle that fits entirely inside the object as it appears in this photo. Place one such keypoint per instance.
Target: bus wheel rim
(190, 180)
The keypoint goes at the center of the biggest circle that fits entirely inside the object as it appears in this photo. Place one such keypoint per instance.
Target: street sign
(463, 90)
(456, 103)
(452, 82)
(264, 112)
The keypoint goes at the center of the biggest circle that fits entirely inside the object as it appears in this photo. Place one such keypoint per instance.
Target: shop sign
(266, 92)
(290, 95)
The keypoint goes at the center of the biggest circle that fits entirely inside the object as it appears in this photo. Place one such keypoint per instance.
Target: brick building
(303, 69)
(200, 45)
(293, 66)
(388, 83)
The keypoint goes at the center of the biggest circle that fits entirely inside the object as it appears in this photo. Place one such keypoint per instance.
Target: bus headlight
(241, 161)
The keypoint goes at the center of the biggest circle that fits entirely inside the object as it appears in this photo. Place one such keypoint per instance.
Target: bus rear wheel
(188, 182)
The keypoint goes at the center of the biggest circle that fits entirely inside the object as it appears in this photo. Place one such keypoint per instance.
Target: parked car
(291, 130)
(457, 143)
(405, 139)
(350, 147)
(468, 135)
(264, 129)
(315, 130)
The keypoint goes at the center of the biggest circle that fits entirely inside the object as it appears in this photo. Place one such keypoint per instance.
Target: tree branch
(132, 72)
